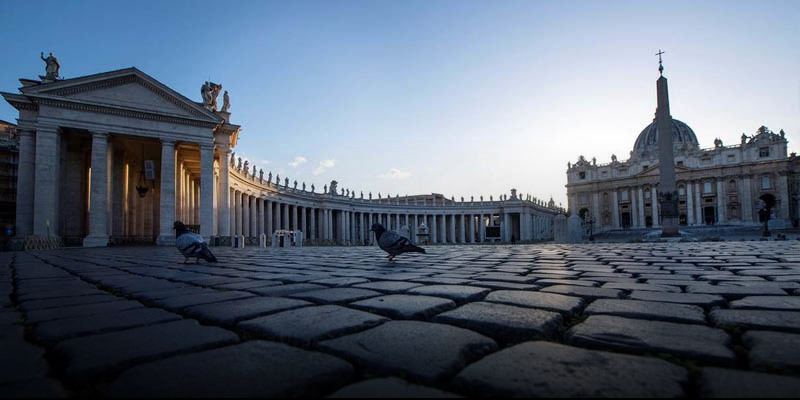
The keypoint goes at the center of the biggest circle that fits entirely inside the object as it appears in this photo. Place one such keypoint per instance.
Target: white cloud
(324, 165)
(297, 161)
(395, 174)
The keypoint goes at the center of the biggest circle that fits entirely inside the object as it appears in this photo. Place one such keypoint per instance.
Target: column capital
(206, 146)
(168, 142)
(98, 133)
(46, 128)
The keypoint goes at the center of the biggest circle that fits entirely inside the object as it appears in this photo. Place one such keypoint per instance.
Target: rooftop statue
(295, 184)
(239, 165)
(226, 102)
(52, 67)
(246, 166)
(286, 182)
(304, 186)
(210, 92)
(312, 188)
(269, 177)
(333, 187)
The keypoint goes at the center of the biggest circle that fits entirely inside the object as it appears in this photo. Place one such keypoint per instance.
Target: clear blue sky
(458, 97)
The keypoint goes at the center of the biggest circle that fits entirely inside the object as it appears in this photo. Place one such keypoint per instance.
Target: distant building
(718, 185)
(9, 158)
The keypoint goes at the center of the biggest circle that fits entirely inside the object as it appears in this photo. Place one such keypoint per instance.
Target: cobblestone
(606, 320)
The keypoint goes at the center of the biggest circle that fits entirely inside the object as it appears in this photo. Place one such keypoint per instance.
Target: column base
(165, 240)
(95, 241)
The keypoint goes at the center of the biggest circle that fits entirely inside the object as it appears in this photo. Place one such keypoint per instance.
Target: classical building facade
(719, 185)
(116, 157)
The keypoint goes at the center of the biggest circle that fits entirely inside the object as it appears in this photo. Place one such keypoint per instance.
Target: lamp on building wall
(148, 172)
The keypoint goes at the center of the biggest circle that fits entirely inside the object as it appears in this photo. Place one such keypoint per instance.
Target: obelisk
(667, 191)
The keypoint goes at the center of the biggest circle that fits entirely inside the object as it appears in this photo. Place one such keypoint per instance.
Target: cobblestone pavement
(685, 319)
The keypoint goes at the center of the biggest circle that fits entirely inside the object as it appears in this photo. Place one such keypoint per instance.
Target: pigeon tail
(206, 254)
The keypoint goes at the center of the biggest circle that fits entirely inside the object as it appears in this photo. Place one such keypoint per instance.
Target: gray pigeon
(393, 243)
(191, 244)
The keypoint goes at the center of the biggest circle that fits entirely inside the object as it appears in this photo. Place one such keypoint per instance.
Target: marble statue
(254, 171)
(304, 186)
(269, 177)
(744, 138)
(333, 187)
(613, 158)
(348, 192)
(481, 198)
(491, 198)
(261, 175)
(210, 92)
(233, 158)
(52, 67)
(379, 195)
(471, 199)
(362, 194)
(325, 189)
(246, 166)
(312, 188)
(239, 165)
(226, 102)
(370, 195)
(295, 184)
(286, 182)
(277, 180)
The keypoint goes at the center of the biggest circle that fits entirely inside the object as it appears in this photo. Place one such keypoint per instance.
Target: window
(583, 199)
(705, 160)
(623, 171)
(707, 187)
(582, 174)
(731, 158)
(680, 163)
(647, 193)
(732, 185)
(763, 152)
(681, 190)
(766, 183)
(644, 167)
(624, 194)
(605, 174)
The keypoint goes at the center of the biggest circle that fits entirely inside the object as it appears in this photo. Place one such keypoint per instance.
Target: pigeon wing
(393, 243)
(189, 244)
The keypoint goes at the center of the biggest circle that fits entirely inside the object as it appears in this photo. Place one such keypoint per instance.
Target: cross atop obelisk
(667, 193)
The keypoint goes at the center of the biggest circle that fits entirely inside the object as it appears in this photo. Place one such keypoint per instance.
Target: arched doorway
(648, 221)
(583, 213)
(768, 203)
(709, 215)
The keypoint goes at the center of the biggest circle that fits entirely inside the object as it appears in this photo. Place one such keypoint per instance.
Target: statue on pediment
(295, 184)
(613, 158)
(744, 138)
(269, 177)
(286, 182)
(52, 67)
(304, 186)
(246, 167)
(324, 188)
(226, 102)
(332, 188)
(277, 180)
(370, 195)
(210, 92)
(239, 165)
(254, 171)
(312, 188)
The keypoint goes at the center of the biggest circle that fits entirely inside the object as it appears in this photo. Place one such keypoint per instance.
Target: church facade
(116, 157)
(721, 185)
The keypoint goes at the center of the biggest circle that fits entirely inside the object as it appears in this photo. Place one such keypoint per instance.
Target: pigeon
(393, 243)
(191, 244)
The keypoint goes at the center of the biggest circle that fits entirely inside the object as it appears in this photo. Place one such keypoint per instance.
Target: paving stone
(542, 369)
(642, 286)
(648, 310)
(181, 302)
(61, 293)
(154, 295)
(388, 286)
(81, 310)
(336, 295)
(733, 292)
(790, 303)
(502, 322)
(31, 305)
(307, 325)
(703, 300)
(52, 331)
(389, 388)
(405, 306)
(773, 350)
(458, 293)
(285, 290)
(505, 285)
(638, 336)
(252, 369)
(35, 388)
(90, 356)
(550, 282)
(728, 383)
(248, 285)
(565, 305)
(589, 293)
(396, 347)
(787, 321)
(339, 282)
(20, 360)
(230, 312)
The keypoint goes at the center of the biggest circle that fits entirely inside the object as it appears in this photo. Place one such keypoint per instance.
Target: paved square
(647, 319)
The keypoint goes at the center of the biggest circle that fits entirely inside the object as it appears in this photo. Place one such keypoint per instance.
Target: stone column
(595, 210)
(313, 228)
(25, 183)
(471, 228)
(45, 199)
(360, 228)
(507, 228)
(278, 215)
(207, 191)
(98, 209)
(720, 202)
(237, 195)
(655, 204)
(294, 217)
(434, 229)
(246, 215)
(640, 200)
(224, 201)
(747, 200)
(461, 229)
(303, 225)
(698, 206)
(482, 228)
(783, 194)
(260, 217)
(268, 228)
(453, 236)
(689, 204)
(166, 235)
(285, 217)
(615, 209)
(253, 217)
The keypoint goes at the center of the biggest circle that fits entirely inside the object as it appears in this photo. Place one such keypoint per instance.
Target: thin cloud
(297, 161)
(323, 166)
(395, 174)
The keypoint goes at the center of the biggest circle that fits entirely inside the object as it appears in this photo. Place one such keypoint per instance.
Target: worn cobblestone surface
(648, 319)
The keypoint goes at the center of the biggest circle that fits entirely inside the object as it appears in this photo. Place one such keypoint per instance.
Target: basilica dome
(683, 138)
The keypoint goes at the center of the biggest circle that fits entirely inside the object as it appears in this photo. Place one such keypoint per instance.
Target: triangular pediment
(654, 171)
(127, 89)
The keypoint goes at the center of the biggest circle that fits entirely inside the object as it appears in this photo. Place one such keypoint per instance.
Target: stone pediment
(129, 89)
(654, 171)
